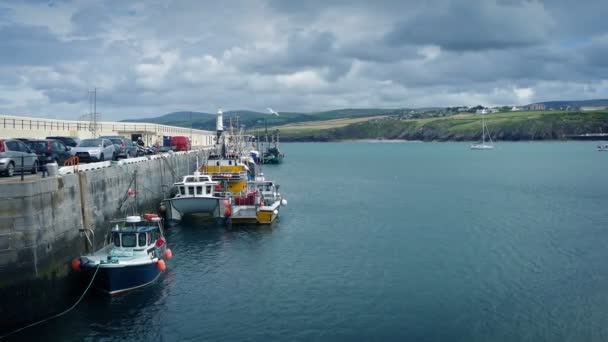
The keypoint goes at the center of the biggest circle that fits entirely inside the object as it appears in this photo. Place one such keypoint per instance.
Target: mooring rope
(59, 314)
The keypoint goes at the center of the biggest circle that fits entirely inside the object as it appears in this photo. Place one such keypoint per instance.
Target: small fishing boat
(273, 154)
(261, 204)
(196, 194)
(132, 257)
(483, 145)
(602, 148)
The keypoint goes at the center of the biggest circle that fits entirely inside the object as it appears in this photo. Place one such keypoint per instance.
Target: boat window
(209, 189)
(141, 239)
(191, 190)
(182, 190)
(129, 240)
(116, 239)
(199, 190)
(154, 235)
(190, 179)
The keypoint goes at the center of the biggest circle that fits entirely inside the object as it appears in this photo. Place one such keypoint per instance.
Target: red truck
(180, 143)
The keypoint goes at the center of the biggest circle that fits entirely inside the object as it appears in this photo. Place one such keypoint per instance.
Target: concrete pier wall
(41, 222)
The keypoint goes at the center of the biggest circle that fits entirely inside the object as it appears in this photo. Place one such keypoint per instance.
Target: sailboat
(483, 145)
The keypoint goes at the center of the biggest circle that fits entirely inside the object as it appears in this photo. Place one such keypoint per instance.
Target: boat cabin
(136, 235)
(196, 185)
(268, 189)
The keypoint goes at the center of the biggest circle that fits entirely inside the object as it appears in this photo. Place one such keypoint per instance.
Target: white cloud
(160, 56)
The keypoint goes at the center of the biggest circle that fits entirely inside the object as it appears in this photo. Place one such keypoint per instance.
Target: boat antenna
(135, 192)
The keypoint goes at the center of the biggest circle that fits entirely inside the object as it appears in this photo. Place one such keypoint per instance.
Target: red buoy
(76, 265)
(149, 216)
(168, 254)
(160, 242)
(227, 212)
(161, 265)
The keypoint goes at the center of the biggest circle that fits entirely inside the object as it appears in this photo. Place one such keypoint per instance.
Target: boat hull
(116, 278)
(482, 147)
(252, 214)
(179, 207)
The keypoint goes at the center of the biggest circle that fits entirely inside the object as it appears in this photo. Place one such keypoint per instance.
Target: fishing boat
(483, 145)
(261, 204)
(237, 173)
(273, 155)
(132, 257)
(195, 194)
(602, 148)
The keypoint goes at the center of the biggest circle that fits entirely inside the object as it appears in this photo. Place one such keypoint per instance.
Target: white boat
(483, 145)
(196, 194)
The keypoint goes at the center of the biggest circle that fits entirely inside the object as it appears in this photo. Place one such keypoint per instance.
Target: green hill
(512, 126)
(252, 120)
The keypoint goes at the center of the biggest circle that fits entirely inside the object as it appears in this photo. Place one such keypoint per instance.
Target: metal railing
(9, 122)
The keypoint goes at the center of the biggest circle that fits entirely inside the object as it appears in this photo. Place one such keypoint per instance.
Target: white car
(95, 150)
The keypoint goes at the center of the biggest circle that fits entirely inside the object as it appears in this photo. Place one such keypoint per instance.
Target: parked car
(49, 151)
(124, 147)
(69, 141)
(12, 154)
(180, 143)
(95, 150)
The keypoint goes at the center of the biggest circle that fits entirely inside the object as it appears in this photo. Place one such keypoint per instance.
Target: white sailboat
(483, 145)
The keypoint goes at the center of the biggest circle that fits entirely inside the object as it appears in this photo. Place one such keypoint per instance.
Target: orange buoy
(168, 254)
(161, 265)
(227, 212)
(149, 216)
(227, 203)
(76, 265)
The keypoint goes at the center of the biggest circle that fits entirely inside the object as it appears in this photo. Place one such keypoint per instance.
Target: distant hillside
(582, 103)
(349, 113)
(513, 126)
(251, 119)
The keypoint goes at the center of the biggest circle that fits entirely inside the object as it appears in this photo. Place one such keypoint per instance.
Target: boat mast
(483, 130)
(135, 192)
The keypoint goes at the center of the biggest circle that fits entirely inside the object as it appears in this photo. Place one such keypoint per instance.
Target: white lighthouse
(220, 120)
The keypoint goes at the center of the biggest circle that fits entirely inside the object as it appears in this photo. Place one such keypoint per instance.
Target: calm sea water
(388, 241)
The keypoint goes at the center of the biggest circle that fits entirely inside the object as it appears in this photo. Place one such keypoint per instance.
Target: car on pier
(68, 141)
(15, 156)
(49, 151)
(124, 147)
(95, 150)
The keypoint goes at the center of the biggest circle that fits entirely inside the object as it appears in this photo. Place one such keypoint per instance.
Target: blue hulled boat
(134, 256)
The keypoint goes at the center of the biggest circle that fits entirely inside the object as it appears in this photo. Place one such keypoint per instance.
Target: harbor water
(390, 242)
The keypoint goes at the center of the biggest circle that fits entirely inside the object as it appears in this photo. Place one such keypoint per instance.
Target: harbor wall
(42, 222)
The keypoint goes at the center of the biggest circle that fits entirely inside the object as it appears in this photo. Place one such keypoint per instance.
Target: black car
(49, 151)
(68, 141)
(124, 147)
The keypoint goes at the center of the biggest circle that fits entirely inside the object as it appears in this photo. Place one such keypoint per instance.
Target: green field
(524, 125)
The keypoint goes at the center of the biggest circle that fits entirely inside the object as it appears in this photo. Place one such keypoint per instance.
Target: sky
(153, 57)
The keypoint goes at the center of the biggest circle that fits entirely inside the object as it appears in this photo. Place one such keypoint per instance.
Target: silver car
(99, 149)
(14, 153)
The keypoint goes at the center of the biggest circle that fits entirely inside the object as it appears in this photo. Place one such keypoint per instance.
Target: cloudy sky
(153, 57)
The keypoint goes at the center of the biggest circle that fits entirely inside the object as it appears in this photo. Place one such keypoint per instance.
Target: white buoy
(284, 201)
(276, 212)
